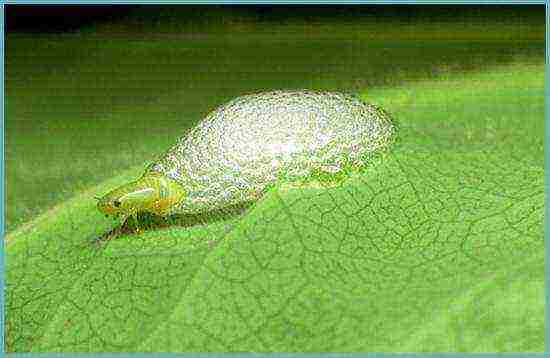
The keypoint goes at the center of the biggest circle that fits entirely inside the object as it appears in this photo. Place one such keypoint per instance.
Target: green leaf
(438, 247)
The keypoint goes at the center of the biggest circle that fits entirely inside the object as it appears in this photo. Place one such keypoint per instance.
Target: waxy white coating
(243, 146)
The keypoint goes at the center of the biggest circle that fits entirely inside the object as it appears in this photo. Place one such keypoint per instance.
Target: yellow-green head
(153, 192)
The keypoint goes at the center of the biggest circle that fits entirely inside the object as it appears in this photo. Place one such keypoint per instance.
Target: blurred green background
(103, 93)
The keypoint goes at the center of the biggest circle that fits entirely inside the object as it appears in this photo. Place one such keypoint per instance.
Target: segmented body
(248, 143)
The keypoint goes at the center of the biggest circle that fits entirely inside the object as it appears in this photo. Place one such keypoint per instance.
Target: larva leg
(123, 220)
(137, 228)
(126, 222)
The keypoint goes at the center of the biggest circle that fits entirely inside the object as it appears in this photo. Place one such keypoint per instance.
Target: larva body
(241, 147)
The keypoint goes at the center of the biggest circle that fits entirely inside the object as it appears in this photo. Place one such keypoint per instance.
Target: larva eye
(116, 203)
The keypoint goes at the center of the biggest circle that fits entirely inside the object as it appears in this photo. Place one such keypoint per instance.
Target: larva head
(153, 192)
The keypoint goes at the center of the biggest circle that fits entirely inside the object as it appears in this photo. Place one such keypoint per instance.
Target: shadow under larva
(148, 222)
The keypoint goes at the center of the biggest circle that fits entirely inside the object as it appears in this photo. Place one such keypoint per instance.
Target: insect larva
(245, 145)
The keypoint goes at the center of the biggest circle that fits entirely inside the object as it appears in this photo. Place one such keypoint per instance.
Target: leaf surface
(438, 247)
